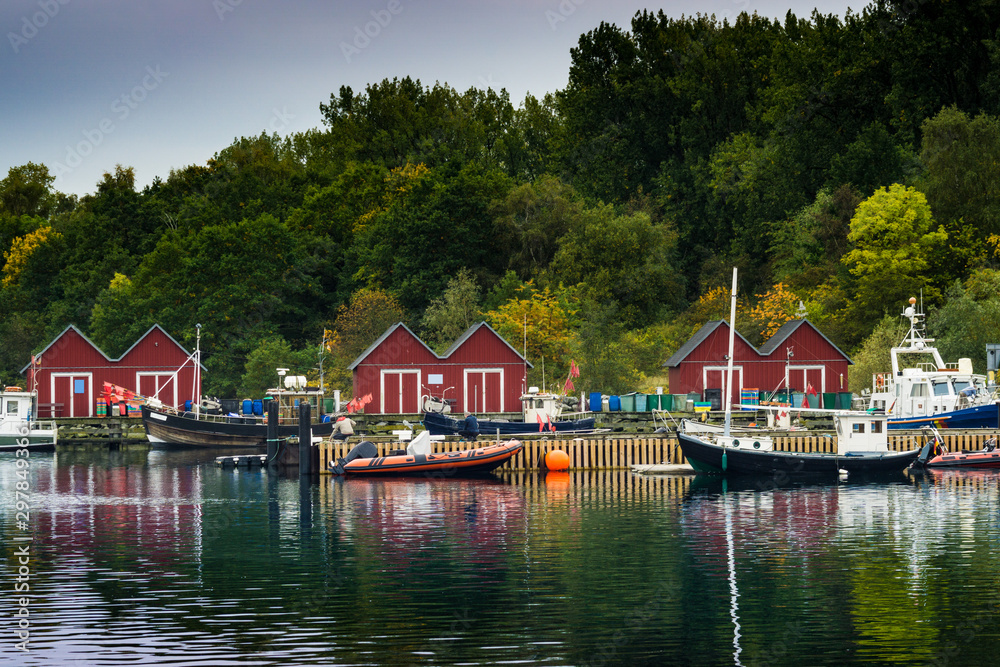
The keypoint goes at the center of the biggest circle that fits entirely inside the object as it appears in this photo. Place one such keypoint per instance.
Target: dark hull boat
(708, 457)
(439, 424)
(364, 460)
(185, 428)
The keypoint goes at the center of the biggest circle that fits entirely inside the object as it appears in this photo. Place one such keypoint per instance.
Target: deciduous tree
(448, 316)
(895, 239)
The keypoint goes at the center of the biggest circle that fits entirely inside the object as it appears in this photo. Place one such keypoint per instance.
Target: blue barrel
(595, 401)
(258, 407)
(614, 404)
(325, 419)
(187, 405)
(247, 406)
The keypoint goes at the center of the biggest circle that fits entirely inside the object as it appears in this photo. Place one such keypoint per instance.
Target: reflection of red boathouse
(407, 520)
(802, 521)
(153, 513)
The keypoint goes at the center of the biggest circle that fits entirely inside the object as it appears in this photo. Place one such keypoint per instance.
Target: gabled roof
(786, 330)
(473, 329)
(156, 327)
(697, 339)
(102, 353)
(61, 334)
(379, 341)
(454, 346)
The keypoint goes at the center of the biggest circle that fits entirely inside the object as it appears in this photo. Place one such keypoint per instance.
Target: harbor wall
(597, 452)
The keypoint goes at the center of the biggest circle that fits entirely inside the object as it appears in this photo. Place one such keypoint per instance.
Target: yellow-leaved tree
(774, 308)
(398, 184)
(357, 325)
(541, 322)
(17, 259)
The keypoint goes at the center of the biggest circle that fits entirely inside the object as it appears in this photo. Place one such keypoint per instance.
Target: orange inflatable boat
(364, 460)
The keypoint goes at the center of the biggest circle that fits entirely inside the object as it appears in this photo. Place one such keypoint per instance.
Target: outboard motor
(362, 450)
(926, 453)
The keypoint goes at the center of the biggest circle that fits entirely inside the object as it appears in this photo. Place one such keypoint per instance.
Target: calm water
(153, 557)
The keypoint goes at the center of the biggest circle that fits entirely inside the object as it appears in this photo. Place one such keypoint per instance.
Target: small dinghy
(417, 459)
(934, 454)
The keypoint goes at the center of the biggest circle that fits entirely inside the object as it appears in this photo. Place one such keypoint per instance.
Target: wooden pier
(611, 451)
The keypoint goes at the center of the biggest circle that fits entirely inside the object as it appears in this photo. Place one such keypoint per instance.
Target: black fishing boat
(862, 443)
(165, 426)
(715, 458)
(210, 426)
(541, 413)
(440, 424)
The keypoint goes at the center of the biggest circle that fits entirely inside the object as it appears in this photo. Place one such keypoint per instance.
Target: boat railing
(222, 418)
(45, 425)
(928, 367)
(882, 382)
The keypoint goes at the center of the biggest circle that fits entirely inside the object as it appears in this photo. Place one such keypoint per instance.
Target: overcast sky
(156, 85)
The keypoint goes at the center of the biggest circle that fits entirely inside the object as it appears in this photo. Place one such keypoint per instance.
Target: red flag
(568, 387)
(574, 370)
(541, 424)
(552, 426)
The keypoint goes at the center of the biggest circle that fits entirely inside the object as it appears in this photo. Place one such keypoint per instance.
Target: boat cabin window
(962, 384)
(11, 407)
(858, 427)
(942, 389)
(876, 427)
(918, 389)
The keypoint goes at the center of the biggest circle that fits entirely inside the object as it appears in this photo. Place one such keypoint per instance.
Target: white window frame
(481, 371)
(737, 380)
(156, 385)
(398, 371)
(90, 391)
(805, 376)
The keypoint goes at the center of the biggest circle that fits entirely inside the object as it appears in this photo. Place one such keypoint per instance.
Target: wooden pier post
(305, 438)
(272, 433)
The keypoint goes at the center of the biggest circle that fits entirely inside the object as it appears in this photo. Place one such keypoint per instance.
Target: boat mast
(729, 366)
(197, 371)
(524, 383)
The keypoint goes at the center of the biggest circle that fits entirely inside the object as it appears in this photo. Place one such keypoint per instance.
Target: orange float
(557, 459)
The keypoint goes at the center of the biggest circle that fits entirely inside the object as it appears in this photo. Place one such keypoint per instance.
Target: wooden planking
(602, 452)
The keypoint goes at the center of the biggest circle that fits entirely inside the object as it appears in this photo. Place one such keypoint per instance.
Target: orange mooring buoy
(557, 459)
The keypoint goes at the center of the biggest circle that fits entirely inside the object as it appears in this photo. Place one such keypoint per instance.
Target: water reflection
(154, 556)
(887, 558)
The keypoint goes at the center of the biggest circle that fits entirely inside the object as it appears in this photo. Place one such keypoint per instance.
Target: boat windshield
(962, 384)
(942, 388)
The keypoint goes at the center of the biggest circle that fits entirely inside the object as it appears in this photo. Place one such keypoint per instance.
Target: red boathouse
(481, 372)
(797, 349)
(70, 372)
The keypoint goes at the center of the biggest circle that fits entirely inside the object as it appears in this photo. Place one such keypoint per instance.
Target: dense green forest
(843, 164)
